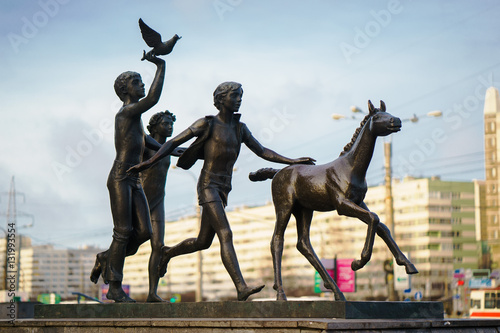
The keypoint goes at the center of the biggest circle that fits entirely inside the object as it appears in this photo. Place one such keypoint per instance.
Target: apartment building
(491, 225)
(43, 269)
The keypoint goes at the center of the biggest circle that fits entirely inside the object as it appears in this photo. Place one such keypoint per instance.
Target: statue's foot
(119, 296)
(153, 298)
(410, 268)
(96, 271)
(245, 293)
(98, 268)
(165, 258)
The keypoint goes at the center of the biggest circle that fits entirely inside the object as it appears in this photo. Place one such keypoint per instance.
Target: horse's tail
(262, 174)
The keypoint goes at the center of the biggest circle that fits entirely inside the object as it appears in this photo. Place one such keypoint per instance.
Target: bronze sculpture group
(136, 183)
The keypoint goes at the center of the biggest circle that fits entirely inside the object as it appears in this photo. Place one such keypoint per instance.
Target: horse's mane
(355, 135)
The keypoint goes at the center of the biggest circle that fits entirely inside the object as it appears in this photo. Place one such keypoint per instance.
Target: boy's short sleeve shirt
(199, 126)
(244, 132)
(201, 129)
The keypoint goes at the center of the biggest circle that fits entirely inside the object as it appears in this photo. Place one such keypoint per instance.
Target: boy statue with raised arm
(129, 207)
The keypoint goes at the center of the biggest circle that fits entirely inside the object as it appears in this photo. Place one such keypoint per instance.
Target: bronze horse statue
(339, 185)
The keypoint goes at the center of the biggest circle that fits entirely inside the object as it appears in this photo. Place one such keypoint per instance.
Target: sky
(299, 62)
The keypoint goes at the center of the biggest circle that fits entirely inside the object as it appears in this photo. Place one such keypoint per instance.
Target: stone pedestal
(272, 309)
(223, 325)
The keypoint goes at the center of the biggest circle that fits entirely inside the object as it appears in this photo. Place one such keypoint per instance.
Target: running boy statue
(218, 143)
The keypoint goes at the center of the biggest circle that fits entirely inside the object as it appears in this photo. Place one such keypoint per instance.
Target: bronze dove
(153, 39)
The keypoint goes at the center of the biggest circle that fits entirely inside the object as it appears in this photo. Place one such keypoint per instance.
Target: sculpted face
(135, 87)
(232, 100)
(383, 123)
(165, 127)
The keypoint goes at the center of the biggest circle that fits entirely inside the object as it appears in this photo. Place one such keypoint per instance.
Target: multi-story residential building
(492, 168)
(434, 223)
(42, 269)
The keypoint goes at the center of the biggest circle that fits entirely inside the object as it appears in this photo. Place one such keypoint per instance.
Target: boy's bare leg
(213, 220)
(214, 214)
(190, 245)
(154, 260)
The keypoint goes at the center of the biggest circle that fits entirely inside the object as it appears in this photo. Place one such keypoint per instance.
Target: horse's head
(382, 123)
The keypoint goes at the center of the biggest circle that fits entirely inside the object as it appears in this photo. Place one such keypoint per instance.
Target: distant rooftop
(492, 101)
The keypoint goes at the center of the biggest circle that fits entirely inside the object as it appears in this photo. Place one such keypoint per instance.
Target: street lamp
(337, 116)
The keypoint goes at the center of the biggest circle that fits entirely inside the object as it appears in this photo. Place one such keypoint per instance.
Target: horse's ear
(382, 106)
(371, 108)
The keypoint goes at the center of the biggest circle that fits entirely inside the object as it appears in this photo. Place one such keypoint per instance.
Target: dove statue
(153, 39)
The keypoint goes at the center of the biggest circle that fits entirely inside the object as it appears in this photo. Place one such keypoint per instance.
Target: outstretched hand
(152, 58)
(139, 167)
(178, 151)
(304, 160)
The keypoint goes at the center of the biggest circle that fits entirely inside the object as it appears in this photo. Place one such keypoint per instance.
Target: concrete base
(232, 325)
(17, 310)
(272, 309)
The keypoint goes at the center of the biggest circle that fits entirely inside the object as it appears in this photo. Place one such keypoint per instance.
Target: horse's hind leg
(283, 213)
(384, 233)
(304, 217)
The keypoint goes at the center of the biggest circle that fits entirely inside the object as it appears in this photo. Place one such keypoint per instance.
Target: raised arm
(166, 149)
(154, 93)
(268, 154)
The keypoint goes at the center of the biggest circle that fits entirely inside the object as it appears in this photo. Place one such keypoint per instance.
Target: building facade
(434, 222)
(492, 168)
(43, 269)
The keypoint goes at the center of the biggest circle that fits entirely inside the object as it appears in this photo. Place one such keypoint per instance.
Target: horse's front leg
(349, 208)
(385, 234)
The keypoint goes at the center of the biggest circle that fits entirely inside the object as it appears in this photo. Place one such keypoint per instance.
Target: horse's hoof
(411, 269)
(340, 297)
(280, 296)
(356, 264)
